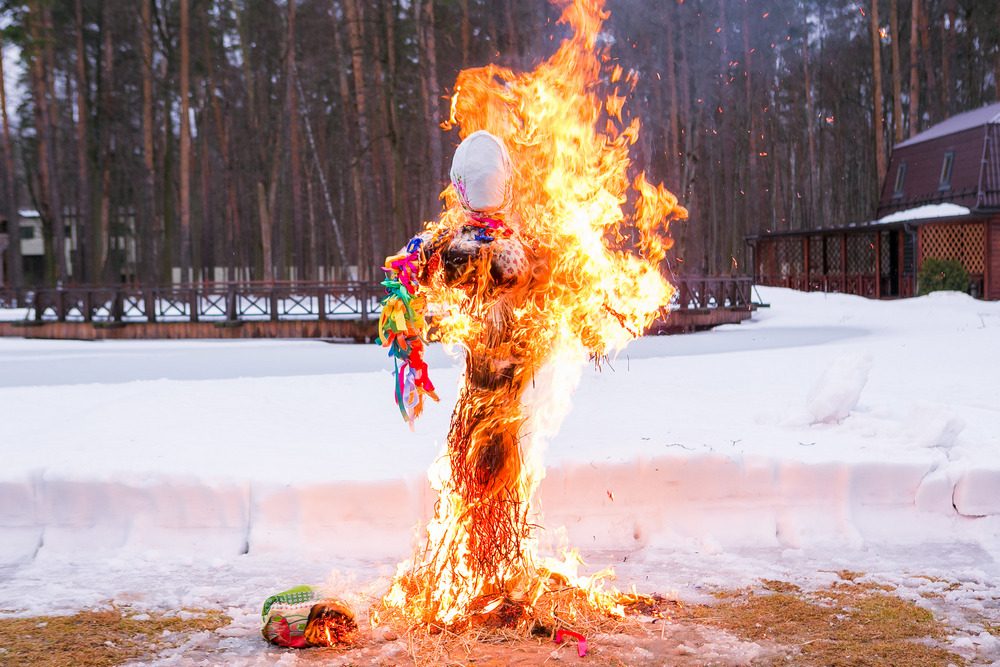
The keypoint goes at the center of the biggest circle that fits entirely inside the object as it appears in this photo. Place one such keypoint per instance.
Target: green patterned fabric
(291, 596)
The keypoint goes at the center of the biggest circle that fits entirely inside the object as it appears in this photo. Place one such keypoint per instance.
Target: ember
(529, 269)
(330, 626)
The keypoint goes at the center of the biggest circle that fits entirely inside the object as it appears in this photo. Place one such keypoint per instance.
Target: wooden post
(901, 289)
(194, 303)
(117, 306)
(231, 303)
(878, 265)
(843, 260)
(149, 296)
(321, 303)
(61, 304)
(805, 262)
(363, 295)
(274, 303)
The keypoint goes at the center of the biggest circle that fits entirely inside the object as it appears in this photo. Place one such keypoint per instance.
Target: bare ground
(852, 622)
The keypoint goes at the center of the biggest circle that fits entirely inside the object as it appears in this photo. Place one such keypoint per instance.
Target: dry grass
(514, 630)
(852, 623)
(95, 638)
(847, 624)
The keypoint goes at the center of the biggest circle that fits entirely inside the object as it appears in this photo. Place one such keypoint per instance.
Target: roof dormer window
(897, 191)
(946, 165)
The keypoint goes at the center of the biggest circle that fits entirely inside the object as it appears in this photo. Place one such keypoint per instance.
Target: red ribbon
(581, 641)
(419, 366)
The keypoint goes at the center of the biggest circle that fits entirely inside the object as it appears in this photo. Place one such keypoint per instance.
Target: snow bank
(706, 503)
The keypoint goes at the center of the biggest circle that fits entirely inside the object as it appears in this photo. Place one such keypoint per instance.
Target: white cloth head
(481, 173)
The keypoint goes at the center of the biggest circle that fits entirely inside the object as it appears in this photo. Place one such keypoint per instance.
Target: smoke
(549, 399)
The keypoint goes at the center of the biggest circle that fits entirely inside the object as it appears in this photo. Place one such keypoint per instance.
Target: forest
(265, 140)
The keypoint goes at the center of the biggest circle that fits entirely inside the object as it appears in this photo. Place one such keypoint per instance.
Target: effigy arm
(402, 328)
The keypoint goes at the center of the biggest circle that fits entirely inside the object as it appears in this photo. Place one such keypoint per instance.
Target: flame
(595, 284)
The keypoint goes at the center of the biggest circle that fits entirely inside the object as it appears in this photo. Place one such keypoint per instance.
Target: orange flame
(595, 285)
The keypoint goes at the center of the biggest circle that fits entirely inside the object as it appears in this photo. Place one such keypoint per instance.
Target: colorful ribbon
(401, 329)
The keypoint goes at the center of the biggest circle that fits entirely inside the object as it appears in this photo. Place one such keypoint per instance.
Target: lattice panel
(966, 243)
(861, 254)
(815, 255)
(789, 257)
(886, 250)
(833, 256)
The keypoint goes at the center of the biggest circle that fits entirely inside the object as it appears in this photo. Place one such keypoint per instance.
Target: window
(949, 160)
(27, 232)
(900, 178)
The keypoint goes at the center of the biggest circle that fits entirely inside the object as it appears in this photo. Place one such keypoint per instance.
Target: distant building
(30, 232)
(940, 198)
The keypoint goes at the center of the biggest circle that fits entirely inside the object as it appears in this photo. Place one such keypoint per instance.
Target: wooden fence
(207, 302)
(286, 309)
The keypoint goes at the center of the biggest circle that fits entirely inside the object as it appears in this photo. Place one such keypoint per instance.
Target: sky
(11, 74)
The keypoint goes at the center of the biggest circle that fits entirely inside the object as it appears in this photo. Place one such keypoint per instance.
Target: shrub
(942, 274)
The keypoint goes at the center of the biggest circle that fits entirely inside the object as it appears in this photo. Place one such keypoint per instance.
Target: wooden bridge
(347, 311)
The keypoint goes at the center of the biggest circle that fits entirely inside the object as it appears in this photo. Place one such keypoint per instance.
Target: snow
(836, 394)
(13, 314)
(942, 210)
(829, 432)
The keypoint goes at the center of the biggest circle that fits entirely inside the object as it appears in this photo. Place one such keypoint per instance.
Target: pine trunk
(810, 130)
(897, 86)
(690, 134)
(150, 225)
(350, 122)
(753, 194)
(168, 191)
(204, 236)
(511, 32)
(925, 44)
(85, 227)
(231, 210)
(914, 68)
(185, 147)
(673, 143)
(433, 108)
(466, 32)
(295, 153)
(15, 268)
(51, 203)
(877, 95)
(400, 203)
(103, 231)
(369, 243)
(265, 262)
(947, 54)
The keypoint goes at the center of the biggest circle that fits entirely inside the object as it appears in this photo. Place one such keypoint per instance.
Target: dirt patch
(97, 638)
(850, 623)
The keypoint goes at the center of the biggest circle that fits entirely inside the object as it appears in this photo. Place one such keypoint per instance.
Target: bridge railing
(205, 302)
(282, 301)
(707, 292)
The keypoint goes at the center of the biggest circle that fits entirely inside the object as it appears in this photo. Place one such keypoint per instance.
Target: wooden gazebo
(940, 198)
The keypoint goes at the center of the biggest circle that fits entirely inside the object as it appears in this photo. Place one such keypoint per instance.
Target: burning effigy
(546, 255)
